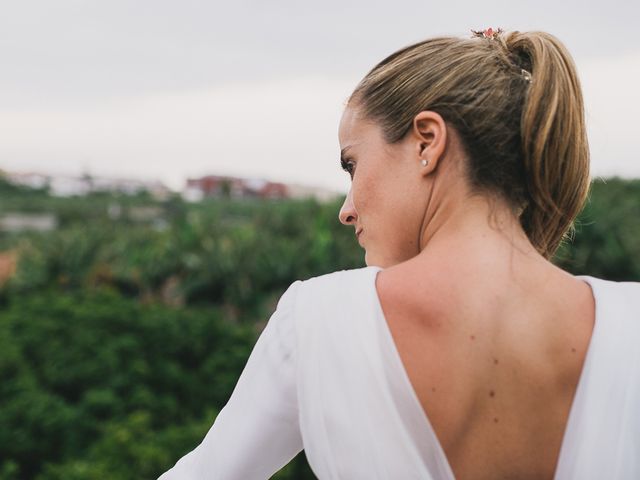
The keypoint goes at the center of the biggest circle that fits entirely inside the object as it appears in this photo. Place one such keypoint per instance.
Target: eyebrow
(343, 152)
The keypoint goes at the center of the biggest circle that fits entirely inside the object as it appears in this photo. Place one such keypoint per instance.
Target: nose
(348, 214)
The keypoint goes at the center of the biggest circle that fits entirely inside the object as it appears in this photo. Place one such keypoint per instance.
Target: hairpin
(526, 75)
(488, 33)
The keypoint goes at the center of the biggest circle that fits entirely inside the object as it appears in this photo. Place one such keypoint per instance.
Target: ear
(429, 133)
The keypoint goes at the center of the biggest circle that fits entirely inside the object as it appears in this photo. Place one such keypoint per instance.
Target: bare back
(495, 367)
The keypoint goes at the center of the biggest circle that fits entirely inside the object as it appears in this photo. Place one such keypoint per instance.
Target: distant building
(129, 186)
(196, 189)
(216, 186)
(19, 222)
(320, 194)
(68, 185)
(30, 180)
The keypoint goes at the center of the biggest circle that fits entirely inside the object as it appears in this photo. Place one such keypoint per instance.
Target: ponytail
(554, 141)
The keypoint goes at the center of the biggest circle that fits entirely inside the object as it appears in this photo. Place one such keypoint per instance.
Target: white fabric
(325, 375)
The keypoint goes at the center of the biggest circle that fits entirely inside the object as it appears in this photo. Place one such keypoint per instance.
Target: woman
(460, 351)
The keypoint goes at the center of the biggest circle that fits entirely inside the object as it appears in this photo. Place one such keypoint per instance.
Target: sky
(165, 90)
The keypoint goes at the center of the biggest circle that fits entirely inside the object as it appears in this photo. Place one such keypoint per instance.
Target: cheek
(397, 207)
(366, 195)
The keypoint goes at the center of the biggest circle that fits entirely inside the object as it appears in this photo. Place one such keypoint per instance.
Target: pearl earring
(425, 162)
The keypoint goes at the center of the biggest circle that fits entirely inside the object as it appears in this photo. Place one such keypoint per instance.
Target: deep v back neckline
(429, 432)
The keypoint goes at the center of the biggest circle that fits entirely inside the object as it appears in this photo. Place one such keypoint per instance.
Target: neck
(476, 231)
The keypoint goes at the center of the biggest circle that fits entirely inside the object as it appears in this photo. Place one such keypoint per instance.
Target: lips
(358, 233)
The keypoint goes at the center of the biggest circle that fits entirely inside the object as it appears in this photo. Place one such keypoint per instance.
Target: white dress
(325, 376)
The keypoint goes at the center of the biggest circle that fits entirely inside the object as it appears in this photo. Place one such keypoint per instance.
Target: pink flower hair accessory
(488, 33)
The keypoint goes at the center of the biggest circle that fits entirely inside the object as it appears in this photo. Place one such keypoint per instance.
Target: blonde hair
(524, 136)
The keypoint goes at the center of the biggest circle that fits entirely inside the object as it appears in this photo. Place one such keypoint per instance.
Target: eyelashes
(347, 166)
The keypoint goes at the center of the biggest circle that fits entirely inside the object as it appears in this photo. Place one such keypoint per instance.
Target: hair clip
(526, 75)
(488, 33)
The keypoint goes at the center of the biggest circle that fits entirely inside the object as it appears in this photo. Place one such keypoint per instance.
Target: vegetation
(124, 331)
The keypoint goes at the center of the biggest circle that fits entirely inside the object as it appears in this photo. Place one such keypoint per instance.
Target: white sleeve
(257, 432)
